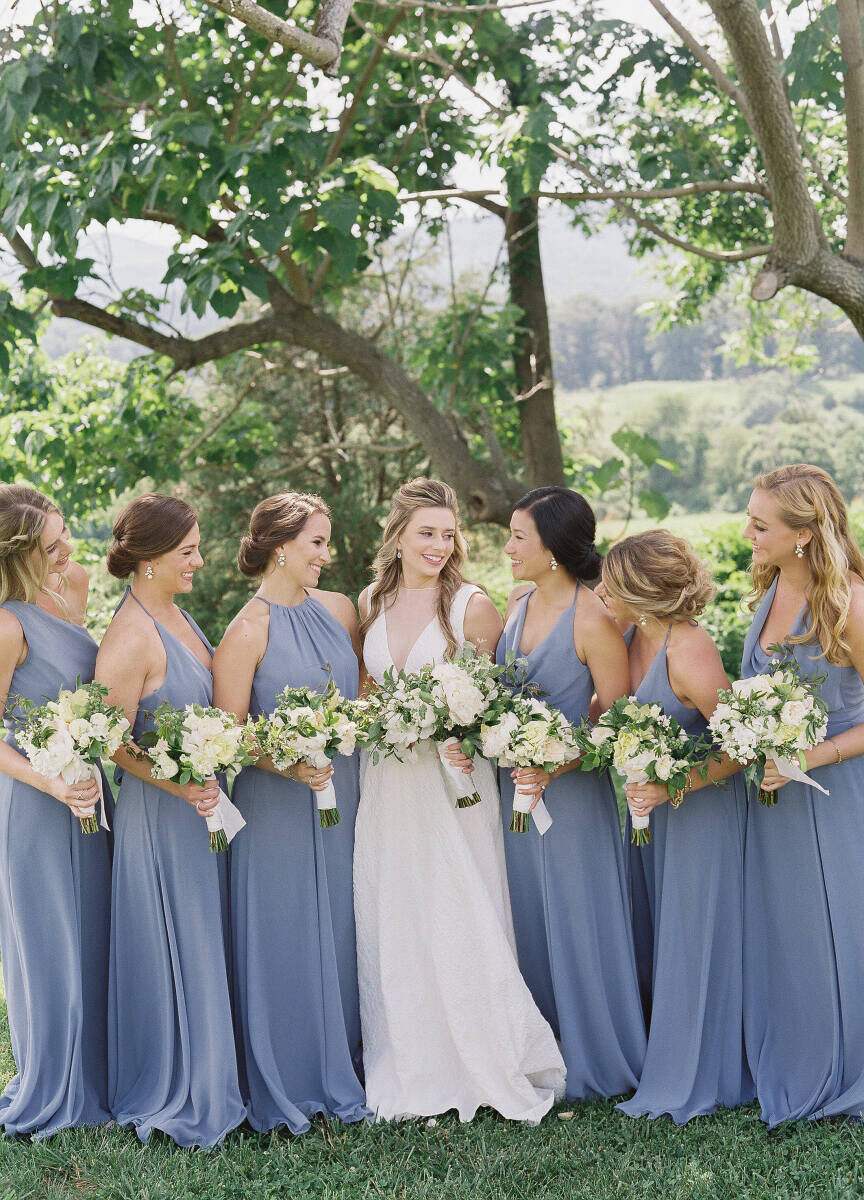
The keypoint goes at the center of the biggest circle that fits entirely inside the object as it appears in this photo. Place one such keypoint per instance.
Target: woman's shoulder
(131, 627)
(250, 625)
(691, 646)
(337, 604)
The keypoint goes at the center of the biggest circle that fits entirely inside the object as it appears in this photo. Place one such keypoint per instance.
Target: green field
(583, 1152)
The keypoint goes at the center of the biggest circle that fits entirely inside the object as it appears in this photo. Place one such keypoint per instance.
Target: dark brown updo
(276, 520)
(147, 527)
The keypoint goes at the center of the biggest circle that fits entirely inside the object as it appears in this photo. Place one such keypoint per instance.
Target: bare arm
(483, 624)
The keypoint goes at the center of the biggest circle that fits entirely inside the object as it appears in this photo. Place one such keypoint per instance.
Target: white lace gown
(448, 1021)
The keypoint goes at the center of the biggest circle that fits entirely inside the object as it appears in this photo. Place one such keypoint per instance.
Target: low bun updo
(274, 521)
(567, 527)
(148, 526)
(658, 574)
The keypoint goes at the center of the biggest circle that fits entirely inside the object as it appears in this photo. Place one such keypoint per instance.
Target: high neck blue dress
(688, 899)
(172, 1064)
(804, 932)
(292, 906)
(569, 895)
(55, 888)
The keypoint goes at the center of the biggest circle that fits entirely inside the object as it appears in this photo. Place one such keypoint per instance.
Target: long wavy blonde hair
(410, 498)
(23, 561)
(809, 498)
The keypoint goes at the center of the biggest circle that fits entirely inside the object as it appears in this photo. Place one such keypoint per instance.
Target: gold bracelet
(676, 797)
(837, 751)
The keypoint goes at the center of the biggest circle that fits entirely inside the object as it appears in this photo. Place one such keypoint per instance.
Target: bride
(447, 1019)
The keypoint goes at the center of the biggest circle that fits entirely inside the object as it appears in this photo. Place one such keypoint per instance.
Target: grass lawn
(593, 1154)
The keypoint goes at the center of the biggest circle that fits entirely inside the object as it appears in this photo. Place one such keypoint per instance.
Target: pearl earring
(799, 550)
(398, 553)
(643, 620)
(280, 558)
(554, 564)
(148, 572)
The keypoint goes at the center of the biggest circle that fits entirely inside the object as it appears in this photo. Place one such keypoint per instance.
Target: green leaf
(654, 503)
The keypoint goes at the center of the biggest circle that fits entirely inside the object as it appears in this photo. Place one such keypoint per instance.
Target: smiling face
(175, 570)
(529, 558)
(773, 541)
(307, 553)
(427, 542)
(56, 543)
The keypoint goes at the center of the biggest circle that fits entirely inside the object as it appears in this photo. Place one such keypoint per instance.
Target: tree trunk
(541, 445)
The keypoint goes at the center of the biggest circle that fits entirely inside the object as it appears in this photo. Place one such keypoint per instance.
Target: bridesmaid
(568, 889)
(687, 884)
(55, 882)
(804, 888)
(292, 907)
(171, 1057)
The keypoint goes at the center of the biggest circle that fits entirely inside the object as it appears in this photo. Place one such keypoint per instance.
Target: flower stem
(218, 841)
(521, 822)
(89, 824)
(468, 801)
(328, 817)
(769, 799)
(640, 837)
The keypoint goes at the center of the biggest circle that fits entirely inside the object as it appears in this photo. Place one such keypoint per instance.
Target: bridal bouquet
(311, 727)
(528, 733)
(397, 715)
(465, 694)
(775, 716)
(644, 744)
(194, 744)
(68, 736)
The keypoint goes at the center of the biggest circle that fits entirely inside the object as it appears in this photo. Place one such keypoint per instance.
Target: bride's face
(426, 543)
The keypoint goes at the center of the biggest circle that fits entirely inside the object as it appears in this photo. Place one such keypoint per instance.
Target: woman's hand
(316, 778)
(203, 799)
(773, 780)
(643, 797)
(531, 781)
(457, 759)
(80, 797)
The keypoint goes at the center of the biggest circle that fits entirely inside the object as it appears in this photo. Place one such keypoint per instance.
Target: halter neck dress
(688, 896)
(803, 933)
(447, 1019)
(55, 888)
(568, 892)
(292, 905)
(172, 1064)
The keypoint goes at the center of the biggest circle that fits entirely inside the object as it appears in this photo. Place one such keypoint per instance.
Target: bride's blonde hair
(410, 498)
(23, 561)
(808, 498)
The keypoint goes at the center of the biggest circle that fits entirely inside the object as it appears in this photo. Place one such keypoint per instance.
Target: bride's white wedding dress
(448, 1021)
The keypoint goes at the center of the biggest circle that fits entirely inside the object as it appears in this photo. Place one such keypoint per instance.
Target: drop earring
(643, 620)
(799, 550)
(398, 553)
(554, 564)
(148, 572)
(280, 558)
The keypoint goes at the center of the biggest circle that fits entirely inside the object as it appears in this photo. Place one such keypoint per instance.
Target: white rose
(795, 712)
(600, 734)
(663, 766)
(555, 751)
(101, 726)
(496, 738)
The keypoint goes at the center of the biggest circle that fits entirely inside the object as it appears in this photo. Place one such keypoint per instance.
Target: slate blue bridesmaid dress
(804, 926)
(687, 886)
(55, 888)
(292, 906)
(172, 1064)
(569, 894)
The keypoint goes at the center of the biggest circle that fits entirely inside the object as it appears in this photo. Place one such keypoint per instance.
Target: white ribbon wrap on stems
(522, 802)
(225, 816)
(641, 821)
(326, 798)
(463, 783)
(93, 772)
(790, 768)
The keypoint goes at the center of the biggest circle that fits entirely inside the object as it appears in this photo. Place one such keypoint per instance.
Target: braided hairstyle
(23, 561)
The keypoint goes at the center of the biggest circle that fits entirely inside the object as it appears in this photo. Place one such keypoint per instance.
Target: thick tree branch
(724, 83)
(797, 235)
(319, 49)
(852, 49)
(700, 188)
(22, 251)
